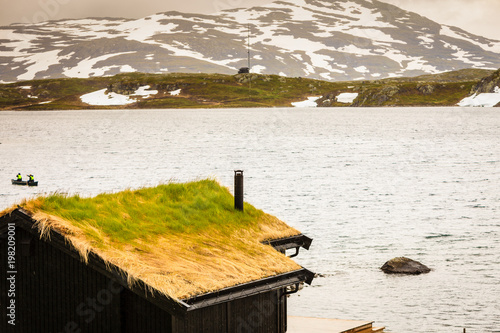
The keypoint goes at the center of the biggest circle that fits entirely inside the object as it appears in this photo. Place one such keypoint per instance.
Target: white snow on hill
(101, 98)
(482, 100)
(330, 40)
(310, 102)
(347, 98)
(85, 68)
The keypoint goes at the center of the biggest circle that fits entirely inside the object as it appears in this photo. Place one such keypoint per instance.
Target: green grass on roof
(144, 214)
(180, 239)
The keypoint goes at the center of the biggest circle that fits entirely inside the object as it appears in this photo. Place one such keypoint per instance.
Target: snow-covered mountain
(325, 39)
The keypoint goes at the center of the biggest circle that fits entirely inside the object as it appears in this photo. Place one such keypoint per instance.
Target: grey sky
(476, 16)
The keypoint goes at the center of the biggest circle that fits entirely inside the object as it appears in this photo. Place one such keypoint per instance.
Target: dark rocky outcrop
(130, 87)
(246, 77)
(403, 265)
(425, 89)
(488, 84)
(377, 96)
(123, 88)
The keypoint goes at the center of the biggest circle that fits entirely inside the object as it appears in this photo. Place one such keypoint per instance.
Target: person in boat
(19, 177)
(31, 178)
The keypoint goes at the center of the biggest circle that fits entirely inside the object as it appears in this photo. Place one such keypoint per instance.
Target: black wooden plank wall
(139, 315)
(254, 314)
(282, 310)
(57, 293)
(206, 320)
(258, 314)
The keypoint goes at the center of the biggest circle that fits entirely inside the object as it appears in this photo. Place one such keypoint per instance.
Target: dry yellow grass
(180, 261)
(7, 210)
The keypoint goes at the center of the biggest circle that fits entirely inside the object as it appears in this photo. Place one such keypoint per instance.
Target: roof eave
(250, 289)
(292, 242)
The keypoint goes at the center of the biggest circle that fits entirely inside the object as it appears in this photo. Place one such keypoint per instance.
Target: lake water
(367, 184)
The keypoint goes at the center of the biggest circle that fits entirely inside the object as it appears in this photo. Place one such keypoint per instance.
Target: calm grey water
(367, 184)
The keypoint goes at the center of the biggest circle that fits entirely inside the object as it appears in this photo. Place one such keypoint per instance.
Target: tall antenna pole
(248, 46)
(249, 76)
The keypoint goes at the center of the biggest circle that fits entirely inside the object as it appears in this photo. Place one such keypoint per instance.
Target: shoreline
(220, 91)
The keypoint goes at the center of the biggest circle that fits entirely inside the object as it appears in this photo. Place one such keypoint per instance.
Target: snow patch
(101, 98)
(326, 76)
(493, 46)
(143, 30)
(40, 62)
(258, 69)
(127, 69)
(144, 92)
(374, 34)
(358, 51)
(362, 69)
(426, 41)
(85, 68)
(347, 98)
(310, 102)
(462, 55)
(484, 99)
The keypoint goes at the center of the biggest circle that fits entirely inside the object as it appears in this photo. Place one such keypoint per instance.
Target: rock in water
(403, 265)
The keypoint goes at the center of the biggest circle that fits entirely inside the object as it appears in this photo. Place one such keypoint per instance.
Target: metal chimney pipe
(238, 189)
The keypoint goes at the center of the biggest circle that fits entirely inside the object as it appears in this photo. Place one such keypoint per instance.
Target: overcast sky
(476, 16)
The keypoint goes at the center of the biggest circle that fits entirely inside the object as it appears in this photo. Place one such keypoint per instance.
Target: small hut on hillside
(244, 70)
(173, 258)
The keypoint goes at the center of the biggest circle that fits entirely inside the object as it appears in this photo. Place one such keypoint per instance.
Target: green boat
(24, 182)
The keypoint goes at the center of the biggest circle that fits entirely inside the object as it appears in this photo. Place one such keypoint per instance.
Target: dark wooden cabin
(244, 70)
(56, 291)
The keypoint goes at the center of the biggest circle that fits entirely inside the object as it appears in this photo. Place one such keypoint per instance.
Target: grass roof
(180, 239)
